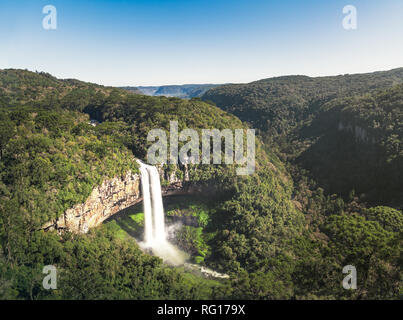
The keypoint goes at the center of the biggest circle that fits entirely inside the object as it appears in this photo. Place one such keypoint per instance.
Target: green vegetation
(51, 159)
(360, 146)
(285, 232)
(278, 105)
(50, 162)
(195, 217)
(329, 126)
(341, 140)
(99, 266)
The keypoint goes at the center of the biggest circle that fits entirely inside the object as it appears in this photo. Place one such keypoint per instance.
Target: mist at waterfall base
(155, 234)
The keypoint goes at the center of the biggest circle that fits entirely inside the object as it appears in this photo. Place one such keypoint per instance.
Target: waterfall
(154, 224)
(155, 238)
(157, 207)
(145, 188)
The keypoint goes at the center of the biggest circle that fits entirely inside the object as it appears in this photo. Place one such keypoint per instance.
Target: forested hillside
(278, 105)
(277, 237)
(345, 130)
(356, 145)
(52, 158)
(341, 139)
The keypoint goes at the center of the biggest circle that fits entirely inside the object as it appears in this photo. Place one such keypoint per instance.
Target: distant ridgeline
(186, 91)
(347, 130)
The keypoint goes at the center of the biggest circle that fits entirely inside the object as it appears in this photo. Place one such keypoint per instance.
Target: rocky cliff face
(105, 200)
(112, 196)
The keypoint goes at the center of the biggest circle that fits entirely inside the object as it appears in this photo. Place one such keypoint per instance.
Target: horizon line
(204, 83)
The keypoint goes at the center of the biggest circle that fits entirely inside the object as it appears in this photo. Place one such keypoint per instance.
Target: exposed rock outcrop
(110, 197)
(115, 195)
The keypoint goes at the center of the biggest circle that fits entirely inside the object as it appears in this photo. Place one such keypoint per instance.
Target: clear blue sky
(199, 41)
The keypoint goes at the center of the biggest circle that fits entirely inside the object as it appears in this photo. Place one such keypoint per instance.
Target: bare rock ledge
(112, 196)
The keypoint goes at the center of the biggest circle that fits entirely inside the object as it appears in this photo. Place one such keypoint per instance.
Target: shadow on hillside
(341, 164)
(124, 221)
(182, 204)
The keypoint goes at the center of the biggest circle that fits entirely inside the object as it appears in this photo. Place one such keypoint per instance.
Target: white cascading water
(157, 206)
(154, 224)
(154, 217)
(145, 188)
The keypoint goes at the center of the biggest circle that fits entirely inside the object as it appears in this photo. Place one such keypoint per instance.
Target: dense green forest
(278, 105)
(344, 131)
(279, 233)
(355, 144)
